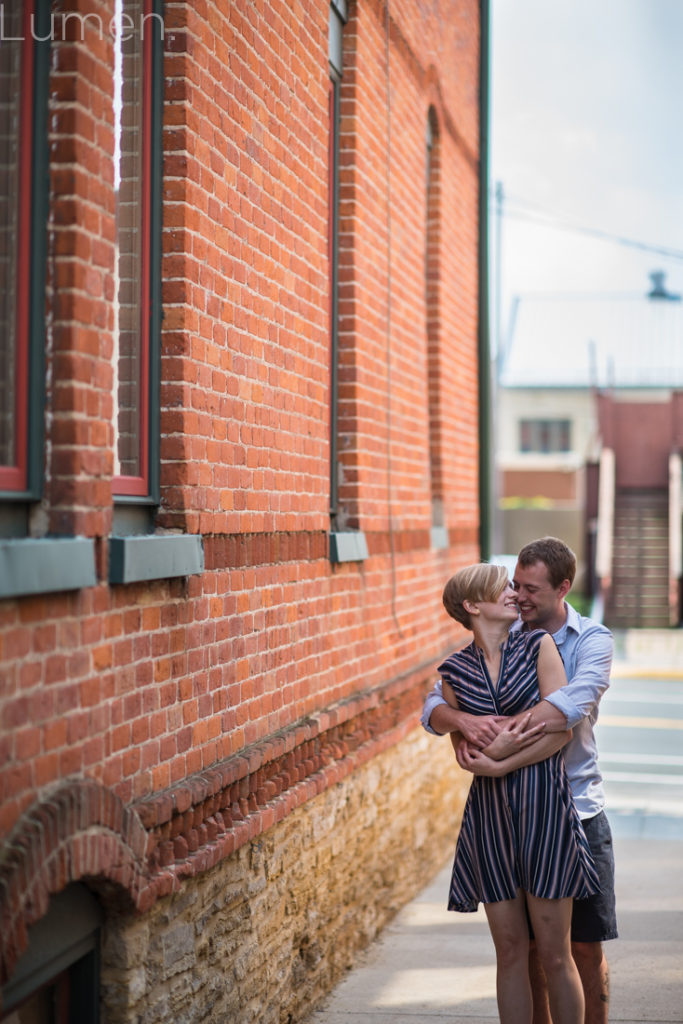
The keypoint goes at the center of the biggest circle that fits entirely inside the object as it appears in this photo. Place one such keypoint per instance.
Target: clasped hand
(513, 735)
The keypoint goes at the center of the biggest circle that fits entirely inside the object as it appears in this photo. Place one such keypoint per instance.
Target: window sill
(46, 565)
(154, 557)
(348, 547)
(439, 538)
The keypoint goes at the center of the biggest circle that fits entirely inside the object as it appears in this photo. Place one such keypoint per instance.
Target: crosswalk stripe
(630, 722)
(652, 780)
(645, 698)
(671, 760)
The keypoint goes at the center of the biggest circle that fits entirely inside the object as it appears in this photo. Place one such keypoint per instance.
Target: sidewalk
(432, 966)
(656, 649)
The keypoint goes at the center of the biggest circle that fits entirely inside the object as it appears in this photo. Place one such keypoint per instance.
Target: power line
(529, 212)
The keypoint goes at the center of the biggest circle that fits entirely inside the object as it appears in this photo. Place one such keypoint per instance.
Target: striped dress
(521, 831)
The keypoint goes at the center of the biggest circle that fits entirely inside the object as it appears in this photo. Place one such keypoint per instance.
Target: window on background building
(23, 195)
(544, 436)
(137, 163)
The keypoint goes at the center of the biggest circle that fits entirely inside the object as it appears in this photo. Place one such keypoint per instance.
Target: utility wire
(529, 212)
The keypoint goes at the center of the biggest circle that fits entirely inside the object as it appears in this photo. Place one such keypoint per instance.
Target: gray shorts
(595, 919)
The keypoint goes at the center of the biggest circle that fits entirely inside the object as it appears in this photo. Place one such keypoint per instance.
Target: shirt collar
(573, 622)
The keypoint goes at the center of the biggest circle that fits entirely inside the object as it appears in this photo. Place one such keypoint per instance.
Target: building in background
(590, 434)
(239, 457)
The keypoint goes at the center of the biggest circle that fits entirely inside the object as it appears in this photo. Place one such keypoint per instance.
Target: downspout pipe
(483, 338)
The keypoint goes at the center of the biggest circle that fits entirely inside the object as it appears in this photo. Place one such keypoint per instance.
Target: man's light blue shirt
(586, 648)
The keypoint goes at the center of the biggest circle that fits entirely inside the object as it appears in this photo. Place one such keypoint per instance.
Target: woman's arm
(549, 667)
(477, 762)
(515, 734)
(551, 678)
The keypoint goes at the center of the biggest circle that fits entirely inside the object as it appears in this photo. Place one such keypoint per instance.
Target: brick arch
(81, 831)
(434, 99)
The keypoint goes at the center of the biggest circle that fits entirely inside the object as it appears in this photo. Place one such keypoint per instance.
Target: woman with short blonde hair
(481, 582)
(521, 846)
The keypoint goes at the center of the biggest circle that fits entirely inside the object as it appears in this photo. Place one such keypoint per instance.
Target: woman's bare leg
(510, 933)
(551, 920)
(539, 989)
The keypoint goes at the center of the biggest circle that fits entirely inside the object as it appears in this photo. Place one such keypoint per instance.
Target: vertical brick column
(80, 271)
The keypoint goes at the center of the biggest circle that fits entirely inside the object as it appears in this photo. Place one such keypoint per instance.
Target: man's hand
(480, 730)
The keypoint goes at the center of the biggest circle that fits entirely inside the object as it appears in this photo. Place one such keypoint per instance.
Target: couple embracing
(535, 847)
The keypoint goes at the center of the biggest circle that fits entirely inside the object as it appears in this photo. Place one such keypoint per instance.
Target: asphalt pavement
(431, 966)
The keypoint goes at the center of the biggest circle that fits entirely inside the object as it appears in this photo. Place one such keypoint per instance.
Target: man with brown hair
(543, 576)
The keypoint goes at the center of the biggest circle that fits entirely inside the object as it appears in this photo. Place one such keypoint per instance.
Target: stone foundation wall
(268, 932)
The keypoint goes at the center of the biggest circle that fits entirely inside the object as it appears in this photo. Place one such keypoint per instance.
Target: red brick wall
(384, 397)
(198, 702)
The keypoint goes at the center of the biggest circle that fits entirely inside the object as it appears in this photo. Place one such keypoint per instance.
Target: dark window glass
(432, 236)
(16, 144)
(136, 135)
(545, 436)
(129, 181)
(336, 25)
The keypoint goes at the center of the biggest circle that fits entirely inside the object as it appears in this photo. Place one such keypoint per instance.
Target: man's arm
(546, 712)
(588, 674)
(588, 679)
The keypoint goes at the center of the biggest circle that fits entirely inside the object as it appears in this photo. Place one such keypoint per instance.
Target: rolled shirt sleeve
(587, 660)
(432, 700)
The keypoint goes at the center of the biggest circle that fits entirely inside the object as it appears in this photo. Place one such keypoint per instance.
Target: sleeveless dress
(521, 831)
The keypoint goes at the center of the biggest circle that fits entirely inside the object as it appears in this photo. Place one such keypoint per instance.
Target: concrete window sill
(46, 565)
(348, 547)
(439, 538)
(154, 557)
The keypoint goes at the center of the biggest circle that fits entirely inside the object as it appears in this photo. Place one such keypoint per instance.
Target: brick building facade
(238, 460)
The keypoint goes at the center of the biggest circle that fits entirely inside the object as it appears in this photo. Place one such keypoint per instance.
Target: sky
(586, 131)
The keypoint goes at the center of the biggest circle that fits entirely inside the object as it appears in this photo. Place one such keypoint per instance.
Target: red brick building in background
(239, 457)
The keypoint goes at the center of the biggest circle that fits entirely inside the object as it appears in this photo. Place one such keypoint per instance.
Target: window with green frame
(337, 17)
(345, 545)
(138, 82)
(135, 552)
(24, 63)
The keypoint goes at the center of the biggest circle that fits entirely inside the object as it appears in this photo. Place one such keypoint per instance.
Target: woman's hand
(513, 737)
(475, 761)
